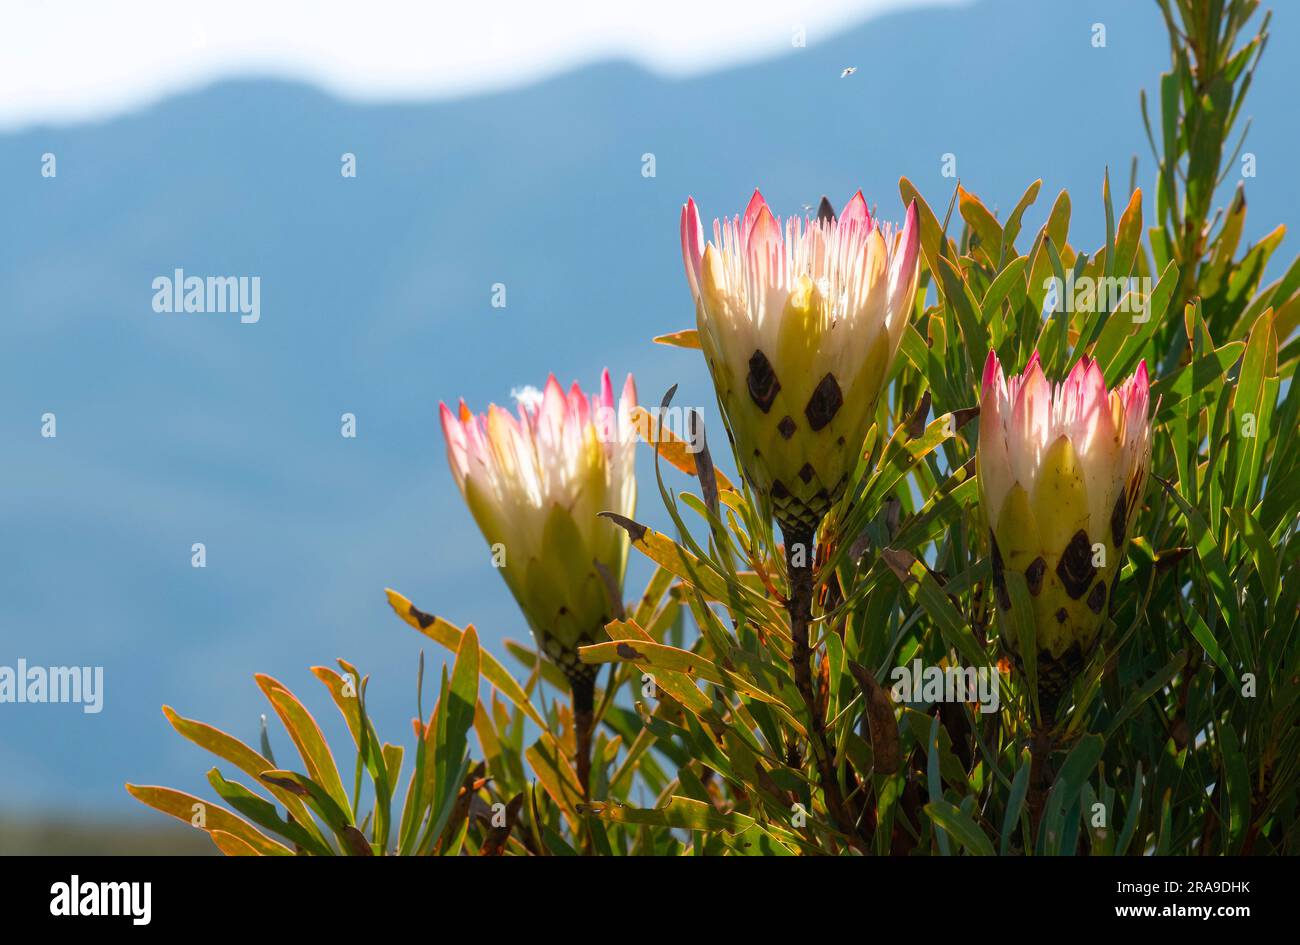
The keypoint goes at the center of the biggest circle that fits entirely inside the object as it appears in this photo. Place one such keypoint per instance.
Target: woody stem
(584, 703)
(1040, 778)
(798, 559)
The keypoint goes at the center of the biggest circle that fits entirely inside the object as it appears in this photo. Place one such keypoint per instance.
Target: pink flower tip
(606, 389)
(910, 240)
(991, 370)
(855, 212)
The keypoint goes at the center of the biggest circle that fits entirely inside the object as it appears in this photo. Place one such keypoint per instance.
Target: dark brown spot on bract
(763, 385)
(825, 212)
(1076, 569)
(787, 427)
(806, 473)
(629, 652)
(999, 575)
(1034, 575)
(1062, 615)
(779, 491)
(824, 403)
(420, 617)
(1097, 599)
(1119, 522)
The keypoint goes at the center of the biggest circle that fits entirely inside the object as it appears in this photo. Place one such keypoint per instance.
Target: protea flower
(800, 322)
(535, 485)
(1062, 468)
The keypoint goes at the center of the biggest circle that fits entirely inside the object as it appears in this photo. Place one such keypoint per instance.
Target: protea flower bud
(1062, 469)
(800, 322)
(535, 485)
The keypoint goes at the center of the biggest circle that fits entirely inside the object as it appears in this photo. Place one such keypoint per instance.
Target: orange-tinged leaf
(671, 447)
(231, 845)
(449, 636)
(693, 571)
(347, 703)
(186, 807)
(231, 749)
(556, 774)
(686, 338)
(307, 737)
(678, 682)
(1128, 235)
(982, 222)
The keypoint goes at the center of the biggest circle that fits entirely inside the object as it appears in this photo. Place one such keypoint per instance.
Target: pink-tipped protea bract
(535, 484)
(800, 322)
(1062, 469)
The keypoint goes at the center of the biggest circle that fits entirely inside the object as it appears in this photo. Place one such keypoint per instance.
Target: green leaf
(306, 736)
(350, 699)
(1211, 558)
(933, 781)
(1252, 407)
(963, 304)
(336, 816)
(1134, 814)
(1172, 389)
(1012, 228)
(1079, 765)
(1123, 339)
(1015, 801)
(1148, 689)
(1206, 638)
(264, 814)
(1018, 625)
(964, 830)
(1237, 782)
(231, 749)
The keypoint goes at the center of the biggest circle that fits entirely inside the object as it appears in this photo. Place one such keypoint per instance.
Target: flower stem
(584, 703)
(1041, 744)
(798, 559)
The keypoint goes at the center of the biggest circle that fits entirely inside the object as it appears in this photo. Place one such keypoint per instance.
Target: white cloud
(73, 60)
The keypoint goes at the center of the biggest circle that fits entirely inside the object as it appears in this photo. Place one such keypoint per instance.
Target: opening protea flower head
(535, 485)
(800, 322)
(1062, 469)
